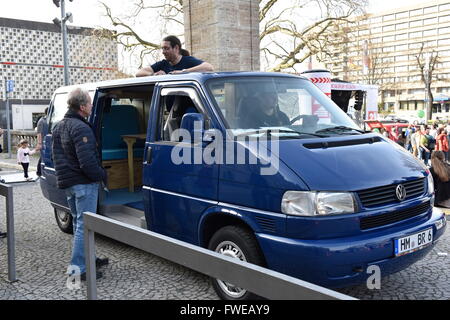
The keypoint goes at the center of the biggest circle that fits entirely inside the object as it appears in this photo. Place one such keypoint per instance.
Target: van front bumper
(342, 262)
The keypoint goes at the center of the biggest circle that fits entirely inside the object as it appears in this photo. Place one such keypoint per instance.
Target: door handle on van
(148, 158)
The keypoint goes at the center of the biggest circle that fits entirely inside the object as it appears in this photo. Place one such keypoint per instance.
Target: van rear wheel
(64, 220)
(239, 243)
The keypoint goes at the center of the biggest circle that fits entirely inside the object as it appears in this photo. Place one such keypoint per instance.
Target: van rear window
(60, 108)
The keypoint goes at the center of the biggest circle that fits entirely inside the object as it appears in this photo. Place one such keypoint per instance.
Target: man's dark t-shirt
(186, 62)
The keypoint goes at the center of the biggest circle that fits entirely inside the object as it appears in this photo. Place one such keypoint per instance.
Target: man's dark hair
(174, 41)
(77, 98)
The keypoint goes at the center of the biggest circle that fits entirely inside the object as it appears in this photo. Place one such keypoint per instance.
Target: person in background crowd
(415, 142)
(442, 142)
(433, 131)
(424, 152)
(408, 138)
(440, 171)
(42, 128)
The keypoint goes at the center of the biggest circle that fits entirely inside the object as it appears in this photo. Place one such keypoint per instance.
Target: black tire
(64, 220)
(245, 248)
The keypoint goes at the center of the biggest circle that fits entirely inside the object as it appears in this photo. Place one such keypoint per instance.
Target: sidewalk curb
(15, 166)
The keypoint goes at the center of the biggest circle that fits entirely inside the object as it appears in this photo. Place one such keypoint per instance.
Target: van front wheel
(239, 243)
(64, 220)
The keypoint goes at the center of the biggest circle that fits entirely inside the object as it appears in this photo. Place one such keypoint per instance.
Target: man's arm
(144, 72)
(203, 67)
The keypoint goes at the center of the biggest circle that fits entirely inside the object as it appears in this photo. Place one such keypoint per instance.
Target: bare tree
(287, 38)
(287, 41)
(427, 60)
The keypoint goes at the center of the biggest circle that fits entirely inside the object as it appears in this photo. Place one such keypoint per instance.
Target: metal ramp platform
(124, 214)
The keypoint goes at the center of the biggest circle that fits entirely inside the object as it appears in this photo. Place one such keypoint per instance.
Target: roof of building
(40, 26)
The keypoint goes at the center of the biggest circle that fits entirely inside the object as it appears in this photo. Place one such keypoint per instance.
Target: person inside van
(177, 60)
(265, 112)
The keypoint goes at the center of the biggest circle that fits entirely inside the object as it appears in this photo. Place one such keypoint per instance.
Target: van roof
(194, 76)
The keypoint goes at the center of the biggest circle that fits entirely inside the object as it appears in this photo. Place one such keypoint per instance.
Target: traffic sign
(9, 85)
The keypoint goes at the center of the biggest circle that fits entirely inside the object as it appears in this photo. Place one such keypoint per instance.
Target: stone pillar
(223, 32)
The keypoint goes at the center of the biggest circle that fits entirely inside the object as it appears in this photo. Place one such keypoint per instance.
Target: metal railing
(261, 281)
(7, 192)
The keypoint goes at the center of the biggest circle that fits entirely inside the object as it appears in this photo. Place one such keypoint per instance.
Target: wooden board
(117, 171)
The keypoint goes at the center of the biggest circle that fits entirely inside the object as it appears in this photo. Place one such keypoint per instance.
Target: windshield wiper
(268, 132)
(339, 128)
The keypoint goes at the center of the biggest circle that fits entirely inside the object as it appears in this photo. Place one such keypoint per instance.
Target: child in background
(23, 153)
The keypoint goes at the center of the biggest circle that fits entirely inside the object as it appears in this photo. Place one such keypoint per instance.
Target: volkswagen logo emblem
(400, 192)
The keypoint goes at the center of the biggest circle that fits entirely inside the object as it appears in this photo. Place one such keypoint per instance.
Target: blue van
(262, 167)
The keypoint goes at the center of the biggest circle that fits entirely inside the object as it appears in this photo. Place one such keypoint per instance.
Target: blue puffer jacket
(75, 153)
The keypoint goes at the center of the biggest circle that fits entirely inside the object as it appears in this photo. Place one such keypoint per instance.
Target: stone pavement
(43, 251)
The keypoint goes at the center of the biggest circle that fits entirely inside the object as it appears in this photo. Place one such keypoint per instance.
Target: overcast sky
(87, 13)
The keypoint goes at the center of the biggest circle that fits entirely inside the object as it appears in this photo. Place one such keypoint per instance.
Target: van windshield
(288, 106)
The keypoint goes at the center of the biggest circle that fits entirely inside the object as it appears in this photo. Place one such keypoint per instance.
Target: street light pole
(65, 47)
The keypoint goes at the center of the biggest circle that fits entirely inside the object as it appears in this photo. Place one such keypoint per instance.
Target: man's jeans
(81, 198)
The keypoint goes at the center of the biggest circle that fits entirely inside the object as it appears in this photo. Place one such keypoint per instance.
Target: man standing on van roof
(78, 170)
(177, 60)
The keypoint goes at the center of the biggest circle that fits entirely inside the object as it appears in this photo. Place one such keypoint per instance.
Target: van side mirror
(193, 123)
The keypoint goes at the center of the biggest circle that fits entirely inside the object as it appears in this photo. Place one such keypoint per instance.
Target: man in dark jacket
(78, 170)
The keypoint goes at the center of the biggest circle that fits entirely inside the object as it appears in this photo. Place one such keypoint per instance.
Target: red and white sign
(322, 79)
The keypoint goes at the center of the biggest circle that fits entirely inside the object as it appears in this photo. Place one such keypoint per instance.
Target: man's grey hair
(77, 97)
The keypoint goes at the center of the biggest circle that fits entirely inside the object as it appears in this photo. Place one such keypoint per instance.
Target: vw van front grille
(386, 194)
(393, 217)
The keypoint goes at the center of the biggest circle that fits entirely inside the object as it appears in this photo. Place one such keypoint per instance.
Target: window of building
(388, 49)
(389, 17)
(417, 45)
(429, 44)
(401, 69)
(401, 26)
(416, 34)
(375, 20)
(416, 12)
(376, 40)
(402, 15)
(428, 10)
(444, 7)
(388, 38)
(431, 32)
(401, 58)
(389, 28)
(430, 21)
(444, 30)
(376, 30)
(402, 47)
(402, 36)
(444, 42)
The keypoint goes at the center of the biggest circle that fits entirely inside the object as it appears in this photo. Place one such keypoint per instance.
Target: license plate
(413, 242)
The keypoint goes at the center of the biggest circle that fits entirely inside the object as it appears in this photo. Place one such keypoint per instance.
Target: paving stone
(43, 253)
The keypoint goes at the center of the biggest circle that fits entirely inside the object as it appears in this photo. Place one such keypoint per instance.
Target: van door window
(174, 104)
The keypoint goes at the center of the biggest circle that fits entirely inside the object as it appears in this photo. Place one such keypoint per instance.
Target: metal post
(91, 272)
(8, 122)
(10, 236)
(65, 46)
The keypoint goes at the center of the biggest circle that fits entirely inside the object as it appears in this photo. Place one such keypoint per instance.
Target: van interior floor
(124, 206)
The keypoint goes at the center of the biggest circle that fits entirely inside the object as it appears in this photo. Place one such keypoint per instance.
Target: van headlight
(430, 183)
(303, 203)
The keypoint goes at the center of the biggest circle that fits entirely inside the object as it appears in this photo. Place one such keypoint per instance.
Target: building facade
(388, 49)
(31, 55)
